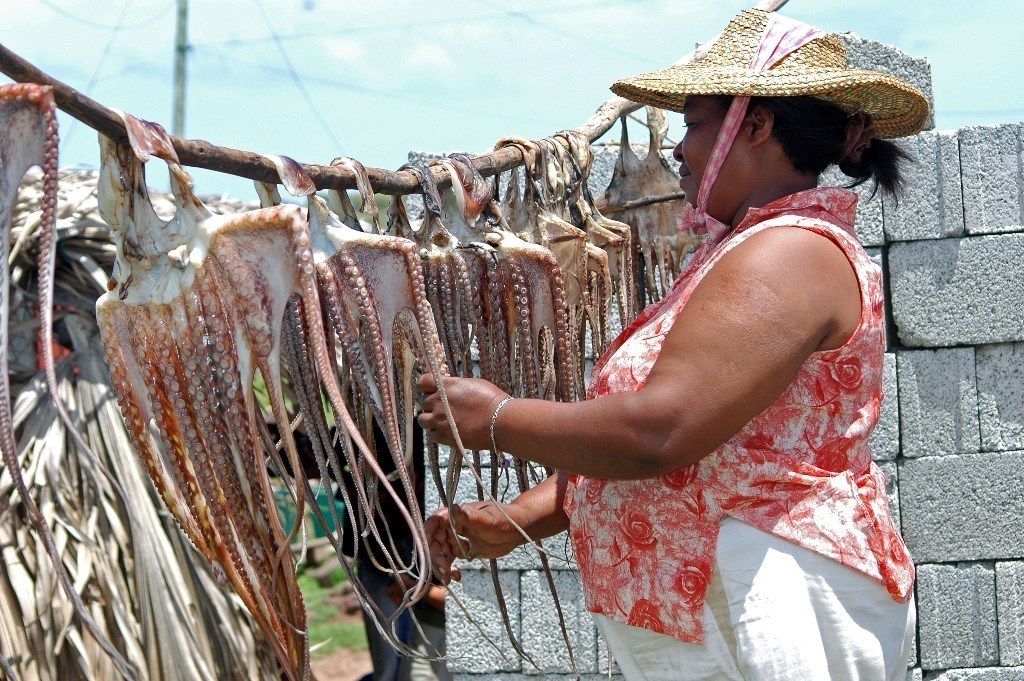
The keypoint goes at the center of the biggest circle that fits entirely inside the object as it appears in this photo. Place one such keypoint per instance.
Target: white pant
(775, 610)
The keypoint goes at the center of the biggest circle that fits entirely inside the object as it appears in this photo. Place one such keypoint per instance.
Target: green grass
(324, 617)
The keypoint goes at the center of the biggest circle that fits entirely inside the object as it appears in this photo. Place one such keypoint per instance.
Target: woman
(718, 487)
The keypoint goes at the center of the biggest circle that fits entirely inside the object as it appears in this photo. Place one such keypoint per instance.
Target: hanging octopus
(566, 170)
(372, 287)
(198, 304)
(526, 287)
(453, 268)
(522, 303)
(541, 214)
(611, 236)
(661, 245)
(28, 137)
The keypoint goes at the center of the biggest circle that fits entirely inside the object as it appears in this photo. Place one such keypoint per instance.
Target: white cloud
(429, 58)
(345, 50)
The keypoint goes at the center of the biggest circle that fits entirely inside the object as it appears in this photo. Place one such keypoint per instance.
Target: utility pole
(180, 56)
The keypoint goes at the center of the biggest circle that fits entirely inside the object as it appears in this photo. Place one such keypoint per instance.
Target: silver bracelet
(494, 420)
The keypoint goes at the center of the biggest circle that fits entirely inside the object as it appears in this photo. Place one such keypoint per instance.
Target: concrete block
(914, 674)
(990, 163)
(603, 167)
(471, 643)
(885, 439)
(605, 662)
(932, 204)
(863, 53)
(983, 674)
(958, 291)
(869, 223)
(956, 606)
(938, 402)
(1001, 396)
(542, 636)
(1010, 611)
(963, 507)
(892, 490)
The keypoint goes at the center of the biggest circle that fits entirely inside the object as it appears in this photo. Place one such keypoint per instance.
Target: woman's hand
(472, 401)
(481, 531)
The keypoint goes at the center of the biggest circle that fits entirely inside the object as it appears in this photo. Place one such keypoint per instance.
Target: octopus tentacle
(498, 335)
(136, 414)
(209, 387)
(521, 305)
(174, 371)
(29, 137)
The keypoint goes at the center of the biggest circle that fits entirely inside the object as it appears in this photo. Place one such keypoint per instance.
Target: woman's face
(703, 117)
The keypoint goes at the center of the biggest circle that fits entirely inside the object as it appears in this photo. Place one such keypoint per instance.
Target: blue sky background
(315, 79)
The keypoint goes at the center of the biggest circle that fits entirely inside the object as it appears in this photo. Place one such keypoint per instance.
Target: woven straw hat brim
(898, 108)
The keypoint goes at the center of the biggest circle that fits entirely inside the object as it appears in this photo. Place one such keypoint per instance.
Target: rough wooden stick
(203, 154)
(639, 203)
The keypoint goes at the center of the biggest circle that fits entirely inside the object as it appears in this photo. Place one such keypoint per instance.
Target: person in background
(717, 485)
(386, 590)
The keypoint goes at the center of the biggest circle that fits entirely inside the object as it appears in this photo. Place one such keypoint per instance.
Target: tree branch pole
(203, 154)
(638, 203)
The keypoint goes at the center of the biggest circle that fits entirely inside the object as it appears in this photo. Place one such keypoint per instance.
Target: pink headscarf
(782, 36)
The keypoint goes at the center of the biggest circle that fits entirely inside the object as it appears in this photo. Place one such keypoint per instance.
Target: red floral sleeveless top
(801, 469)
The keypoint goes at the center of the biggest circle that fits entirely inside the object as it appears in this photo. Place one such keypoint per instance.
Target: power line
(297, 79)
(374, 92)
(402, 26)
(99, 65)
(980, 112)
(105, 27)
(530, 18)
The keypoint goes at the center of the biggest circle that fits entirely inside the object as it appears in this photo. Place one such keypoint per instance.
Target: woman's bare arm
(739, 342)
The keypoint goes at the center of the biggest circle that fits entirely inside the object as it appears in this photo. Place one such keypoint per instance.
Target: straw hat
(819, 68)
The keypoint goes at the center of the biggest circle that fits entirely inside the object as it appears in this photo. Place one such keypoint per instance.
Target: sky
(317, 79)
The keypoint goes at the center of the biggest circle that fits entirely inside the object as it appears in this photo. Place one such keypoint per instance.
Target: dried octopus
(520, 316)
(372, 288)
(197, 306)
(661, 246)
(555, 209)
(28, 137)
(611, 236)
(525, 295)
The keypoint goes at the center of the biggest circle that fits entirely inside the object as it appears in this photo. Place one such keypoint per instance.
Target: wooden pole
(638, 203)
(180, 65)
(203, 154)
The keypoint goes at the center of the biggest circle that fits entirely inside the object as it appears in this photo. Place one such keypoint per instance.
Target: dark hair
(812, 133)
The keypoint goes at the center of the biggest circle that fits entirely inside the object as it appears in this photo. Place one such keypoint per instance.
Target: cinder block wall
(950, 440)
